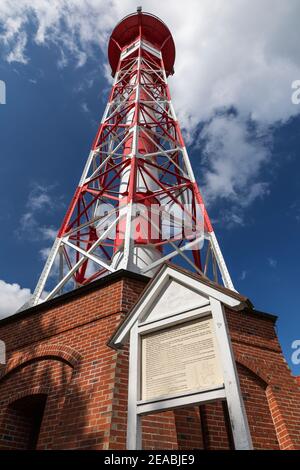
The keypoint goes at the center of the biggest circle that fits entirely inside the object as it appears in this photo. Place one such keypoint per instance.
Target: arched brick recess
(56, 351)
(90, 410)
(22, 418)
(48, 371)
(29, 391)
(258, 410)
(254, 366)
(282, 395)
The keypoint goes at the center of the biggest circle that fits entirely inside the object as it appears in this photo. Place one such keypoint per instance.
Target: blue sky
(244, 149)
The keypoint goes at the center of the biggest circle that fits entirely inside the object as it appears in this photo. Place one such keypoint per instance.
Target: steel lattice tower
(137, 203)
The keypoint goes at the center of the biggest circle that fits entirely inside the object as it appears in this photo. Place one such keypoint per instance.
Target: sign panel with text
(181, 359)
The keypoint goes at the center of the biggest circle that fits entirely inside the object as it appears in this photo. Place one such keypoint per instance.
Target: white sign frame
(229, 392)
(140, 321)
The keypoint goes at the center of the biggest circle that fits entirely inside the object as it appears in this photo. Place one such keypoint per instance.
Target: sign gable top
(153, 303)
(174, 297)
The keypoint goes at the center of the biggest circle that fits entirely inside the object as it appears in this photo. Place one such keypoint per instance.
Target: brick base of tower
(64, 388)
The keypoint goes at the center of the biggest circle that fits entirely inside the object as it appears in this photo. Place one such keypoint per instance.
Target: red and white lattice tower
(137, 203)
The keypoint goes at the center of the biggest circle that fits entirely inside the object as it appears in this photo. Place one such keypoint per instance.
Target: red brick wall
(159, 431)
(59, 349)
(215, 425)
(256, 346)
(188, 428)
(62, 351)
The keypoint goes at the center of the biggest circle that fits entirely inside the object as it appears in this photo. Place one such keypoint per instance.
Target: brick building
(63, 387)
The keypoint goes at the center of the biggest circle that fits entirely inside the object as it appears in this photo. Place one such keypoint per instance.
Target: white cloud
(27, 223)
(17, 54)
(48, 233)
(243, 275)
(73, 25)
(44, 252)
(234, 157)
(40, 199)
(12, 297)
(230, 217)
(236, 54)
(272, 263)
(85, 107)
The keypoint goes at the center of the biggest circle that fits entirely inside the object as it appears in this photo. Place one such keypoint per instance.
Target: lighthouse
(135, 337)
(138, 203)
